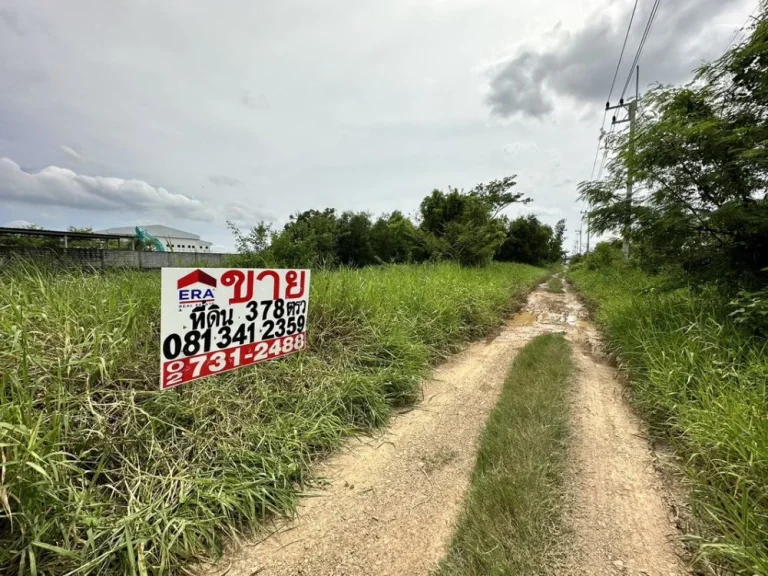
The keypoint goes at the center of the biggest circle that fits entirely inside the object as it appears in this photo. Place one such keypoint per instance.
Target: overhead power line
(646, 33)
(597, 151)
(605, 154)
(610, 91)
(623, 47)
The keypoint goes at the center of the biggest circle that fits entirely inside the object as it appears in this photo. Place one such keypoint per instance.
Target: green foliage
(530, 241)
(697, 356)
(700, 379)
(467, 223)
(255, 242)
(461, 226)
(511, 516)
(308, 240)
(750, 309)
(700, 169)
(103, 473)
(556, 250)
(395, 239)
(353, 241)
(605, 255)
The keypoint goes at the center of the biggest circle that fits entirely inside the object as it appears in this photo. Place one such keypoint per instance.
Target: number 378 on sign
(214, 320)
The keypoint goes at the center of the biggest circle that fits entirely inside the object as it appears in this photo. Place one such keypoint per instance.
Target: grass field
(104, 474)
(703, 385)
(511, 516)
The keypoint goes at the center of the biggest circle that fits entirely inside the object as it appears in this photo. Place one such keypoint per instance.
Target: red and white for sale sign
(219, 319)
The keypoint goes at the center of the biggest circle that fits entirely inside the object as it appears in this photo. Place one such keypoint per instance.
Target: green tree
(353, 240)
(700, 167)
(253, 248)
(556, 250)
(308, 240)
(395, 239)
(467, 225)
(529, 241)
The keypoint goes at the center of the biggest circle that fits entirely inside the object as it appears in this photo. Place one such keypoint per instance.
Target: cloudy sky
(191, 113)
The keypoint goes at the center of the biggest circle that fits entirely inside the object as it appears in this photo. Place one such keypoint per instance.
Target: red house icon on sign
(194, 277)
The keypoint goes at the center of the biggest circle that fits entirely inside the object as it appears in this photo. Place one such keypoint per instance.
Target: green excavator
(145, 236)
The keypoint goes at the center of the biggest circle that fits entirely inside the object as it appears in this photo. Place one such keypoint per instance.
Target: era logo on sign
(189, 295)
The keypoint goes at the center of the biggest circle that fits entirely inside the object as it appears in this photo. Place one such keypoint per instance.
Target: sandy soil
(391, 502)
(618, 511)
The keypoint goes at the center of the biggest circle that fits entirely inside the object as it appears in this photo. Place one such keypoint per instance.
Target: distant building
(173, 239)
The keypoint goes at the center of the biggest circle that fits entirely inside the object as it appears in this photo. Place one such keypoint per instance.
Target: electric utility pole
(632, 108)
(585, 213)
(579, 239)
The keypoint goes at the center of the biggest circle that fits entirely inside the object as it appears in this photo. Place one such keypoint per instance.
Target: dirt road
(391, 501)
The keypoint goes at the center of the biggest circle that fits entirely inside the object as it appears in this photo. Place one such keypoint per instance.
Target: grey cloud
(516, 87)
(11, 20)
(245, 215)
(223, 180)
(254, 101)
(581, 65)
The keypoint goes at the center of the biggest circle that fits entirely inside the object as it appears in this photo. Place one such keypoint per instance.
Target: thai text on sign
(217, 319)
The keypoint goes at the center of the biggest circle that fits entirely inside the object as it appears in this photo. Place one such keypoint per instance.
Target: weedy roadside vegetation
(102, 473)
(701, 379)
(511, 516)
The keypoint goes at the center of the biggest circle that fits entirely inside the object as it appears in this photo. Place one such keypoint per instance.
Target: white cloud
(18, 224)
(72, 153)
(546, 212)
(55, 186)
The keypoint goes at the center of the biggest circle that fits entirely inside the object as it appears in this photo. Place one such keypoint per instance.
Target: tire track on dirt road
(391, 501)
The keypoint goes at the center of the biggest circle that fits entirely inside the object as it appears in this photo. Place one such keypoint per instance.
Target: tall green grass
(510, 524)
(703, 384)
(102, 473)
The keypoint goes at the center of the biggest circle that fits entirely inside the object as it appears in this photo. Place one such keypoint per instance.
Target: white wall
(185, 245)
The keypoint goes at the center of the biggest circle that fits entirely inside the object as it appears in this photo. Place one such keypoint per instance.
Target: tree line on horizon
(453, 225)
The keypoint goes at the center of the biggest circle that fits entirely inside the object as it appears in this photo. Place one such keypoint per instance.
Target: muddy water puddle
(523, 319)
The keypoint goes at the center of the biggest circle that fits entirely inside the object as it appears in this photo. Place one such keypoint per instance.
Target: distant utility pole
(586, 213)
(579, 239)
(632, 108)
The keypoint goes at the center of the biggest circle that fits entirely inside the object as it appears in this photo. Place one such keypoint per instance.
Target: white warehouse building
(173, 239)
